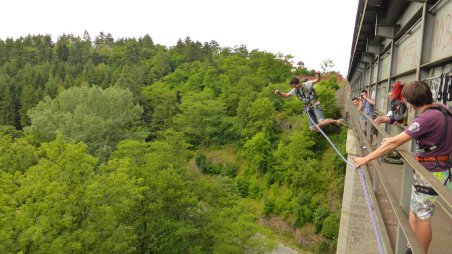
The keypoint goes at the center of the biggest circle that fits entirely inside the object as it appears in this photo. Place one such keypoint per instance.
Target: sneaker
(344, 123)
(408, 249)
(363, 147)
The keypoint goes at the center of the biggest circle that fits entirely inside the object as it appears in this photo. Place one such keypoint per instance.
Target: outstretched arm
(317, 78)
(387, 145)
(282, 94)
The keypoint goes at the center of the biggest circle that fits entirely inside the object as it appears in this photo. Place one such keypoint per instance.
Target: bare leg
(412, 220)
(422, 229)
(424, 232)
(328, 122)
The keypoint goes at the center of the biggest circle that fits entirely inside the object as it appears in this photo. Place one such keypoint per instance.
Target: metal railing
(401, 208)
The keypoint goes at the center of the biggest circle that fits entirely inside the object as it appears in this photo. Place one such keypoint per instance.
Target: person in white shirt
(306, 93)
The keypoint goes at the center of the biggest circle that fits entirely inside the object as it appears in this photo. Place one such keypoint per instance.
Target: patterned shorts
(423, 205)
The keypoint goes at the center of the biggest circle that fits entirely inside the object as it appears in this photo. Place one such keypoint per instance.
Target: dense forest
(127, 146)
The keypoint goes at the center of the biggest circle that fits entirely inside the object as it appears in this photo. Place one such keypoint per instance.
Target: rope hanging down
(363, 185)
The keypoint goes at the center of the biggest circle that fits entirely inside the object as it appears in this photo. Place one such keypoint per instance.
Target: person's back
(430, 129)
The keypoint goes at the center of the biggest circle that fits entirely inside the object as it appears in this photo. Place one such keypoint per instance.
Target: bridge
(394, 40)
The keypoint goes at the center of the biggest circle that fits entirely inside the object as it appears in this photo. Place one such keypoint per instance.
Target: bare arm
(317, 78)
(282, 94)
(387, 145)
(372, 102)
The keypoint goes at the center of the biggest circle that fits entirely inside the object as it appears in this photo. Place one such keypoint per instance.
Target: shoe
(363, 147)
(344, 123)
(408, 249)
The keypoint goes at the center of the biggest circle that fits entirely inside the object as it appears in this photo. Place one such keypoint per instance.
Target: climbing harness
(442, 158)
(306, 95)
(445, 159)
(370, 208)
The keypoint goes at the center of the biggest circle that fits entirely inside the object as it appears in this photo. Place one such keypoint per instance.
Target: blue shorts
(316, 113)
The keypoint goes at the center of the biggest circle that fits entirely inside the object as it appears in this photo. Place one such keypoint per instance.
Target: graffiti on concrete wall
(408, 55)
(442, 33)
(442, 89)
(434, 86)
(441, 84)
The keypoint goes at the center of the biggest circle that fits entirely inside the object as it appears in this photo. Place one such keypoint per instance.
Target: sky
(310, 30)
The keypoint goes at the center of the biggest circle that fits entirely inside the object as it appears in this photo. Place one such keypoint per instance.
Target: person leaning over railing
(432, 130)
(396, 111)
(355, 102)
(367, 105)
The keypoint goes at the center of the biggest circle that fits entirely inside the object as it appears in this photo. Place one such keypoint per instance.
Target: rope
(363, 185)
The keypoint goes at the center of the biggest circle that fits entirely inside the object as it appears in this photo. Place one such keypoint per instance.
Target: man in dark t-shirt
(435, 147)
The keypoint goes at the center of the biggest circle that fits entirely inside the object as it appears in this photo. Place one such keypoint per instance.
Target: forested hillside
(126, 146)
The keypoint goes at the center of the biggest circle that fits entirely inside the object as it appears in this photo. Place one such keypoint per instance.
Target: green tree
(8, 111)
(163, 106)
(326, 90)
(99, 118)
(161, 64)
(29, 98)
(169, 214)
(62, 49)
(200, 118)
(16, 154)
(260, 117)
(257, 152)
(64, 205)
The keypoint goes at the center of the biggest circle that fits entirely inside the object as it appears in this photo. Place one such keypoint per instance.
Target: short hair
(417, 93)
(354, 98)
(364, 91)
(294, 81)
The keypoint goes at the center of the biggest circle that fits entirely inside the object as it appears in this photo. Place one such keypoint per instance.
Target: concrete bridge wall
(355, 232)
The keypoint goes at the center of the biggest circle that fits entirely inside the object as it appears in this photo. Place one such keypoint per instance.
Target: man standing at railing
(367, 105)
(306, 93)
(432, 130)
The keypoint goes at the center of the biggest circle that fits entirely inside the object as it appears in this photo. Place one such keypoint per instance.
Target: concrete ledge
(355, 231)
